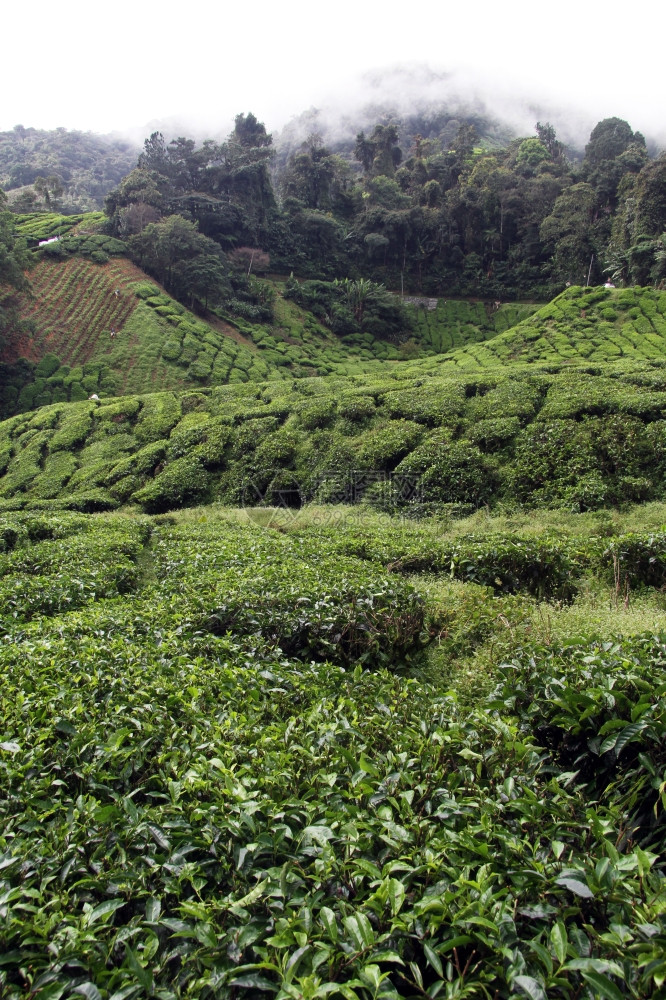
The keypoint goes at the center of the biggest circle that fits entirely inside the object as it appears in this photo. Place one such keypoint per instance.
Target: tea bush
(577, 439)
(66, 563)
(203, 792)
(183, 481)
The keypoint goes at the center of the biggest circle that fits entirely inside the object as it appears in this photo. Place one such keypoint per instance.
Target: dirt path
(227, 330)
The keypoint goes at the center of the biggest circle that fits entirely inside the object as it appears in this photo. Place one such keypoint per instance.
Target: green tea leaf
(62, 726)
(143, 975)
(530, 987)
(327, 918)
(153, 910)
(576, 886)
(603, 986)
(103, 910)
(433, 959)
(558, 939)
(254, 982)
(88, 990)
(396, 895)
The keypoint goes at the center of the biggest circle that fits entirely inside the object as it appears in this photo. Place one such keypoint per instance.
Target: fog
(400, 91)
(190, 69)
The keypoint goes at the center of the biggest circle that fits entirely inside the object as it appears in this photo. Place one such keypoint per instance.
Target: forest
(429, 205)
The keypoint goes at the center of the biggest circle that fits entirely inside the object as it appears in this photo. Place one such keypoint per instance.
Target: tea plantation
(414, 439)
(256, 753)
(347, 686)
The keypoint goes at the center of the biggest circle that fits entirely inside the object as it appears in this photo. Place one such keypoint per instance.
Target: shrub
(181, 483)
(171, 349)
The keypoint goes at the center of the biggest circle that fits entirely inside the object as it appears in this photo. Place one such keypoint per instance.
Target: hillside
(70, 305)
(595, 324)
(347, 685)
(106, 328)
(83, 319)
(407, 439)
(87, 165)
(130, 336)
(92, 321)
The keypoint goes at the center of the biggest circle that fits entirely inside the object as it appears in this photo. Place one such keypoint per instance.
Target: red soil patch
(73, 305)
(229, 331)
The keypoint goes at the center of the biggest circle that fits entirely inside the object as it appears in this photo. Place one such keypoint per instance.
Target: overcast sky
(123, 65)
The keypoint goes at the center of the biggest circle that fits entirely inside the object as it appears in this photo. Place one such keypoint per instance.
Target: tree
(380, 154)
(613, 151)
(320, 238)
(608, 139)
(462, 147)
(136, 201)
(568, 233)
(250, 133)
(649, 194)
(548, 137)
(201, 277)
(531, 153)
(364, 152)
(13, 261)
(358, 293)
(154, 156)
(25, 201)
(21, 174)
(314, 176)
(183, 164)
(50, 189)
(237, 174)
(188, 264)
(13, 253)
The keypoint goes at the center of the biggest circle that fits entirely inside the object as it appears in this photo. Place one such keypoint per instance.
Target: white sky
(123, 65)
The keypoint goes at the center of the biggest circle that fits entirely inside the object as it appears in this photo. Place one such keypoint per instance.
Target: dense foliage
(62, 169)
(230, 768)
(432, 202)
(13, 259)
(352, 307)
(420, 436)
(426, 212)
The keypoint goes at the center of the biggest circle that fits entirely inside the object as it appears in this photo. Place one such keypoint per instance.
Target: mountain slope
(580, 325)
(400, 440)
(106, 328)
(71, 305)
(110, 326)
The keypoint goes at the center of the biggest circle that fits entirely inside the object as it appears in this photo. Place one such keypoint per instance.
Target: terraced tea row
(595, 324)
(575, 438)
(73, 306)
